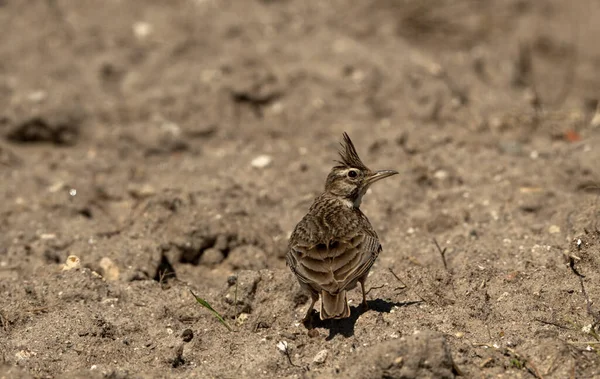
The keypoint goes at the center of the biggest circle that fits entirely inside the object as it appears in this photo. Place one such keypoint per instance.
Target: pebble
(110, 271)
(56, 187)
(554, 229)
(187, 335)
(441, 174)
(261, 161)
(72, 262)
(141, 191)
(321, 357)
(37, 96)
(142, 29)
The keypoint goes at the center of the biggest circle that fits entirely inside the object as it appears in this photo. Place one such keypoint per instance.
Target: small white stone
(142, 29)
(37, 96)
(261, 161)
(579, 242)
(441, 174)
(321, 357)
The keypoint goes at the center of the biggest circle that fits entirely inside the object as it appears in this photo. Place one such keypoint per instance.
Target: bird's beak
(378, 175)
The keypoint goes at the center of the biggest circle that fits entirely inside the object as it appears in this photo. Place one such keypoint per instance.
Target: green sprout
(206, 305)
(517, 363)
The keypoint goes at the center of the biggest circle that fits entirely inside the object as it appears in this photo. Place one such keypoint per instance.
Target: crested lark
(334, 246)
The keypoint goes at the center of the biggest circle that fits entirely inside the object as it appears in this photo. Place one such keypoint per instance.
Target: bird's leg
(314, 298)
(364, 293)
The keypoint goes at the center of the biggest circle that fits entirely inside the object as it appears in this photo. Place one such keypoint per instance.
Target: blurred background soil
(173, 145)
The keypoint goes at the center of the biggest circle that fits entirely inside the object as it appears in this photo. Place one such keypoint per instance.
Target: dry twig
(374, 288)
(397, 277)
(442, 253)
(551, 323)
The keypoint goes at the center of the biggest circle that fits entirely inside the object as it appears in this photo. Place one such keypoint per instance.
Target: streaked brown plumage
(334, 246)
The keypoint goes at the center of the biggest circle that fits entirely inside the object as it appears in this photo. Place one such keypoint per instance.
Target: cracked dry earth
(172, 146)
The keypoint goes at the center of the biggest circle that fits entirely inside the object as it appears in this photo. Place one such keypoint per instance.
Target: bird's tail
(334, 306)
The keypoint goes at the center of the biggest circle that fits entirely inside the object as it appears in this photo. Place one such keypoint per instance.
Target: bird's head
(350, 179)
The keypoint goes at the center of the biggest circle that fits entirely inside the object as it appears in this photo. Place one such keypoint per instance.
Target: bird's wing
(368, 250)
(304, 238)
(331, 263)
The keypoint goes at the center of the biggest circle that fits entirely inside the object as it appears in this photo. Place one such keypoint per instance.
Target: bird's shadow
(345, 326)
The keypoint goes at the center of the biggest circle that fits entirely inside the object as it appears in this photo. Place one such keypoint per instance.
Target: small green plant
(517, 363)
(206, 305)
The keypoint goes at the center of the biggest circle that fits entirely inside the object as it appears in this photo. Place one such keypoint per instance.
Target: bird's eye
(352, 174)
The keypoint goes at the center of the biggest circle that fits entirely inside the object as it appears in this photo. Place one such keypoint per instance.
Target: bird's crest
(349, 155)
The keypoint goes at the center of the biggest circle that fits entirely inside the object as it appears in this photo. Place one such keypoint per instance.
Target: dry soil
(173, 145)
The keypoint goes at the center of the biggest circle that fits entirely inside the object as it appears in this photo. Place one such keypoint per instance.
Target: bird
(334, 246)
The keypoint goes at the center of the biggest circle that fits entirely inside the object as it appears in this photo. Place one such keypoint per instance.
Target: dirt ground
(173, 145)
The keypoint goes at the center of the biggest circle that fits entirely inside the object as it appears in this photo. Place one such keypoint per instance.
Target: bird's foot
(307, 321)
